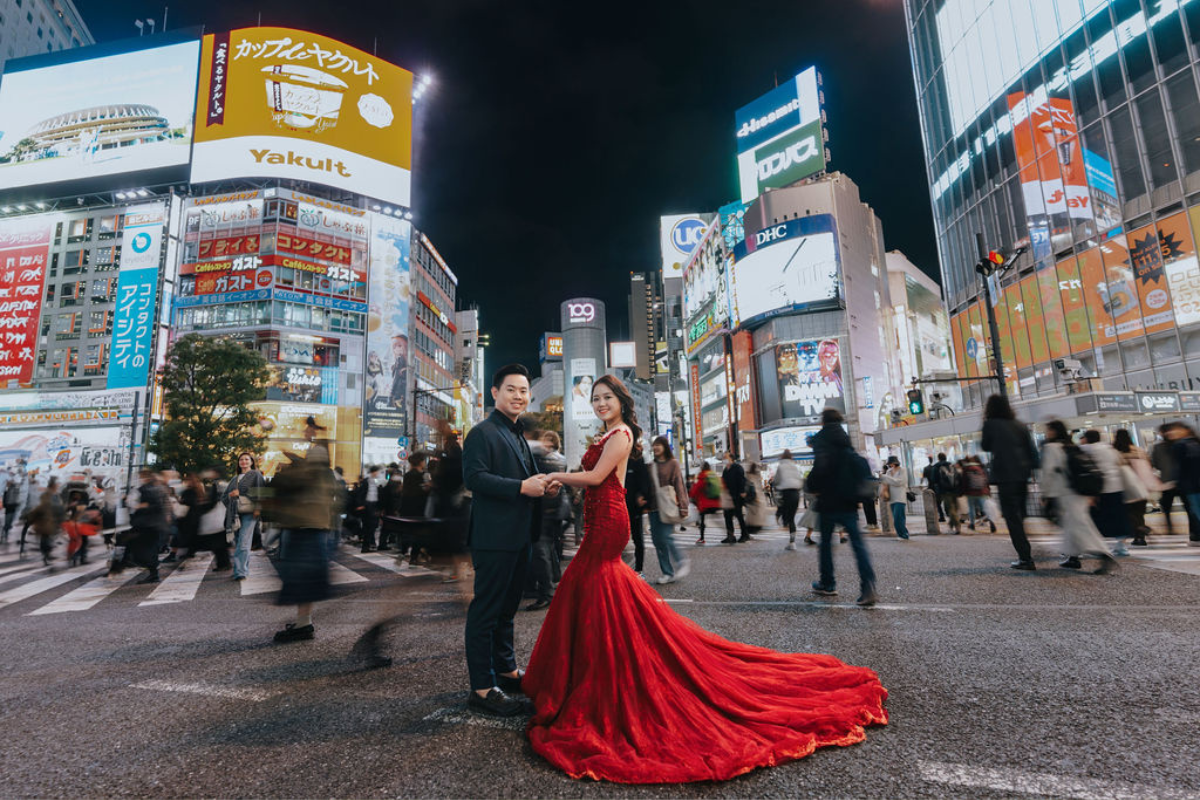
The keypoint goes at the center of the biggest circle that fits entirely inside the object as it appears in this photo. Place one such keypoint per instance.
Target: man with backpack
(840, 479)
(975, 486)
(945, 486)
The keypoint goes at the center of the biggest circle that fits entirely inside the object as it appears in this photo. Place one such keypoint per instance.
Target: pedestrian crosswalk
(31, 589)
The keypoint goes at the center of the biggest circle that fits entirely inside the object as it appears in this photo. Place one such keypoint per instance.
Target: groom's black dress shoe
(496, 704)
(538, 605)
(510, 685)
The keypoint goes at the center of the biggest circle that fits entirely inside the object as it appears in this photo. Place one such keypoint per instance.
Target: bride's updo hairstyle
(628, 415)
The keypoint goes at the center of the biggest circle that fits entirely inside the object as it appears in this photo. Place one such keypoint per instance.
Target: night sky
(557, 133)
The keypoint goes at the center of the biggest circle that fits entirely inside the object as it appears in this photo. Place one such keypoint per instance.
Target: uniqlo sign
(24, 245)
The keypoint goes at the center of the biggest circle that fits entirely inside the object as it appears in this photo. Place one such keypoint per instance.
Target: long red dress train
(627, 690)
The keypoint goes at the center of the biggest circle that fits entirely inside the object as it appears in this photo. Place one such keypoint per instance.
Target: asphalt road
(1002, 684)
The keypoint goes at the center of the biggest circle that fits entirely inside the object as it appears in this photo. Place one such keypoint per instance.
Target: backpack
(1083, 475)
(975, 480)
(712, 486)
(12, 494)
(943, 476)
(855, 482)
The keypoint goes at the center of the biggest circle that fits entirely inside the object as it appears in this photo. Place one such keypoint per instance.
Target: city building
(1069, 131)
(585, 357)
(647, 322)
(547, 387)
(31, 27)
(471, 383)
(152, 220)
(919, 320)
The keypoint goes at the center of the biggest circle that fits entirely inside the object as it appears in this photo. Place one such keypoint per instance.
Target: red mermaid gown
(627, 690)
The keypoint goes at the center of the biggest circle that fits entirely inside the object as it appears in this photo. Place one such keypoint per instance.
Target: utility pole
(993, 262)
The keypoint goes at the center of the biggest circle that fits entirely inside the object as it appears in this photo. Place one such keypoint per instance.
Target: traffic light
(916, 402)
(996, 257)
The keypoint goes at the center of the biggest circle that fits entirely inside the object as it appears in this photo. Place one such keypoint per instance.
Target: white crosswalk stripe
(27, 590)
(261, 578)
(182, 584)
(86, 596)
(389, 563)
(9, 574)
(339, 574)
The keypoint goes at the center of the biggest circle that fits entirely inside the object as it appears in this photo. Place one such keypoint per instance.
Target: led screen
(99, 116)
(779, 136)
(792, 264)
(282, 103)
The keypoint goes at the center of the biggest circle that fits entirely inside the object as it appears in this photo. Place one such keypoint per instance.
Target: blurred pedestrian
(837, 477)
(1162, 458)
(1064, 465)
(366, 506)
(391, 502)
(1186, 452)
(946, 489)
(1108, 512)
(242, 512)
(733, 479)
(668, 507)
(414, 488)
(978, 491)
(1140, 483)
(637, 501)
(46, 519)
(706, 494)
(16, 495)
(927, 477)
(895, 488)
(757, 509)
(301, 502)
(206, 516)
(787, 483)
(147, 522)
(545, 570)
(1013, 460)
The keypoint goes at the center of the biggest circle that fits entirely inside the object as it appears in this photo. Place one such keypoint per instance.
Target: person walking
(1059, 481)
(366, 506)
(545, 569)
(206, 517)
(1162, 458)
(976, 487)
(756, 499)
(733, 479)
(706, 494)
(241, 501)
(787, 483)
(837, 475)
(945, 487)
(1108, 512)
(16, 495)
(927, 477)
(895, 487)
(46, 519)
(1013, 460)
(637, 500)
(668, 507)
(147, 521)
(1186, 452)
(1140, 484)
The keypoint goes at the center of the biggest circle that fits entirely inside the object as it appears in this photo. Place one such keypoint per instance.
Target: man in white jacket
(1080, 536)
(1108, 513)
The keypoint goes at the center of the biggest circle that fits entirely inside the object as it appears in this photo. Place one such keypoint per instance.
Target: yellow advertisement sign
(282, 103)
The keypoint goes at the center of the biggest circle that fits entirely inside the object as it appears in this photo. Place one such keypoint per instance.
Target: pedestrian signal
(916, 402)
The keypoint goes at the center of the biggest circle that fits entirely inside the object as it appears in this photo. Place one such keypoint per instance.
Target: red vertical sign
(24, 245)
(743, 382)
(697, 437)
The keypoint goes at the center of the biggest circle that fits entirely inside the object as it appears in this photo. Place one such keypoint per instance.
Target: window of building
(73, 294)
(75, 261)
(68, 326)
(1185, 109)
(1157, 138)
(109, 226)
(94, 359)
(1127, 157)
(78, 230)
(100, 323)
(106, 255)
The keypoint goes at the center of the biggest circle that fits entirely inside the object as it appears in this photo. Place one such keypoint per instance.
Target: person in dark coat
(148, 522)
(1162, 458)
(1185, 447)
(1013, 460)
(837, 504)
(733, 478)
(545, 568)
(638, 492)
(200, 496)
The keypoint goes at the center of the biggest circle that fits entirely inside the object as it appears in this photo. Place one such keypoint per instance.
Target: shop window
(1157, 139)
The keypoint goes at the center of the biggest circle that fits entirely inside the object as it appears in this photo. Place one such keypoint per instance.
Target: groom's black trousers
(499, 584)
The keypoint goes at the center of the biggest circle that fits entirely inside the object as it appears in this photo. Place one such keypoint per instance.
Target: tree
(208, 385)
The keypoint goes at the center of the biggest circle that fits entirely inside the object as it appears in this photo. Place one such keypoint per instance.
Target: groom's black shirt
(496, 459)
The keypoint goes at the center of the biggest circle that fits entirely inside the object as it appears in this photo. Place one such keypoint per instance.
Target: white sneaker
(790, 546)
(684, 569)
(665, 579)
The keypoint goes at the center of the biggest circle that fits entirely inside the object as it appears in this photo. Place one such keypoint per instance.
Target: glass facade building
(1071, 127)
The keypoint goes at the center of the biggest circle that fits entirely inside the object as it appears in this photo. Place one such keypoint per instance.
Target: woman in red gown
(626, 690)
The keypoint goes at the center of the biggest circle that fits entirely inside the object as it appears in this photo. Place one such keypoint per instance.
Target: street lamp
(994, 263)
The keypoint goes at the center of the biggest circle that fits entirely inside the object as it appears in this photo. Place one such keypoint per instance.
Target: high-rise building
(470, 383)
(432, 338)
(31, 27)
(1070, 128)
(647, 322)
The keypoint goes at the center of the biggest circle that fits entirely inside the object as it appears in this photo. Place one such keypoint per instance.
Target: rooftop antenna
(165, 10)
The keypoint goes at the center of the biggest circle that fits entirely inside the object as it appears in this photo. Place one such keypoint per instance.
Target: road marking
(13, 573)
(389, 563)
(261, 576)
(182, 584)
(458, 716)
(340, 574)
(1045, 784)
(85, 596)
(49, 582)
(230, 692)
(807, 604)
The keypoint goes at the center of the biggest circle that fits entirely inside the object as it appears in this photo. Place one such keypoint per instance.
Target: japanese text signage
(137, 291)
(24, 244)
(779, 136)
(282, 103)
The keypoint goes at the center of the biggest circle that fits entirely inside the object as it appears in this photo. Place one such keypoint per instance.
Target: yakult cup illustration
(303, 98)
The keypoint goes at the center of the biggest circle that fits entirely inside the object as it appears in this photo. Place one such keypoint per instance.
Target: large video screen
(100, 116)
(785, 266)
(780, 139)
(281, 103)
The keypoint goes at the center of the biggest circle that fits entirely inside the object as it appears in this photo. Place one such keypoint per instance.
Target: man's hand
(552, 488)
(534, 486)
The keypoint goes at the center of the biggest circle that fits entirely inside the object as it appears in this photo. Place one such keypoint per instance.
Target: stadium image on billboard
(786, 266)
(282, 103)
(779, 136)
(105, 115)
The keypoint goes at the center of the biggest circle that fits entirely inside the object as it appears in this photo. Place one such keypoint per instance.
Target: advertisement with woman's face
(581, 396)
(810, 377)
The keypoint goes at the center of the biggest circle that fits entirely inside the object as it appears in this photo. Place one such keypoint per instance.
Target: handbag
(1135, 491)
(910, 495)
(244, 504)
(212, 521)
(665, 499)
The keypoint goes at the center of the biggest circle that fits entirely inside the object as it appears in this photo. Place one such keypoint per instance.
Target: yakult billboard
(282, 103)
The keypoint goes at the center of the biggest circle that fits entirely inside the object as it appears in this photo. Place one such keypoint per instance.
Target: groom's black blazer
(494, 464)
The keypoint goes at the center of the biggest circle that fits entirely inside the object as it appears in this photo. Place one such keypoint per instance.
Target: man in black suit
(734, 478)
(506, 488)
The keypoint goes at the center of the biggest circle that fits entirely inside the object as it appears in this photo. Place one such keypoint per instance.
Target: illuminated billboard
(387, 368)
(679, 234)
(780, 139)
(106, 115)
(810, 377)
(281, 103)
(24, 246)
(622, 355)
(790, 265)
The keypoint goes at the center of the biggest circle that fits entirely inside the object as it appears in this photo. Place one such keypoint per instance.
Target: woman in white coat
(1080, 536)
